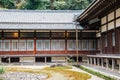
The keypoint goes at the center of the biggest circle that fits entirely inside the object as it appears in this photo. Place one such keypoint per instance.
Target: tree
(71, 4)
(38, 4)
(45, 4)
(13, 4)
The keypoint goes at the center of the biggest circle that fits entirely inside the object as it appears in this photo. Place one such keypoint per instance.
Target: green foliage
(38, 4)
(45, 4)
(2, 70)
(96, 73)
(13, 4)
(7, 4)
(70, 59)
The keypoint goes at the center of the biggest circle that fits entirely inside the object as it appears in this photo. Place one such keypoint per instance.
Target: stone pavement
(23, 76)
(104, 71)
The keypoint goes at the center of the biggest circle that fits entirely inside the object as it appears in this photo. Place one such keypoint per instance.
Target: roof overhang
(97, 10)
(38, 26)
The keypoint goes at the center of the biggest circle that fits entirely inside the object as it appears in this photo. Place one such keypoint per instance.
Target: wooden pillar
(45, 59)
(94, 61)
(77, 44)
(2, 41)
(113, 64)
(66, 35)
(0, 60)
(115, 31)
(26, 45)
(107, 63)
(102, 62)
(107, 35)
(81, 39)
(34, 42)
(98, 61)
(76, 25)
(10, 47)
(50, 36)
(18, 39)
(91, 60)
(9, 60)
(21, 60)
(88, 61)
(119, 66)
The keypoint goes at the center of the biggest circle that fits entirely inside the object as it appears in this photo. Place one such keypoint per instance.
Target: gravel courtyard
(29, 75)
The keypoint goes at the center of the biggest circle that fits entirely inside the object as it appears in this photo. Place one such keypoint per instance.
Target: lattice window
(30, 44)
(46, 44)
(39, 45)
(22, 45)
(15, 45)
(0, 45)
(84, 44)
(71, 45)
(6, 45)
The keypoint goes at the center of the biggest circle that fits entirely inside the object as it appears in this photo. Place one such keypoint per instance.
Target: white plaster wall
(98, 35)
(27, 59)
(58, 59)
(118, 61)
(111, 25)
(103, 20)
(118, 12)
(118, 23)
(103, 28)
(111, 16)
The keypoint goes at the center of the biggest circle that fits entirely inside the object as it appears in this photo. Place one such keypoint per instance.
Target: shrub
(2, 70)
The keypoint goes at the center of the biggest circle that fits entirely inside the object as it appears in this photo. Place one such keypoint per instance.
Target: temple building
(104, 16)
(44, 36)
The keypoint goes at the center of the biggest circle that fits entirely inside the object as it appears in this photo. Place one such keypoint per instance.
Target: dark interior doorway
(5, 60)
(48, 59)
(75, 59)
(14, 59)
(40, 59)
(80, 59)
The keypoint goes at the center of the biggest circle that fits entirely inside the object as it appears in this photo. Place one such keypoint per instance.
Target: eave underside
(99, 10)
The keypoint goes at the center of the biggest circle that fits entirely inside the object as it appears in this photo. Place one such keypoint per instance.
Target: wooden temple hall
(44, 36)
(104, 16)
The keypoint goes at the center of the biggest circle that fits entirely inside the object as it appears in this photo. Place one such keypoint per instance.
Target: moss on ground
(68, 73)
(73, 75)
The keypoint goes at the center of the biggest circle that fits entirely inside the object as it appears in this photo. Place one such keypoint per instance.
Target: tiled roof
(36, 19)
(37, 16)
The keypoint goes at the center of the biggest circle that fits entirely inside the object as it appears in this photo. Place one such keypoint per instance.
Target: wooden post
(113, 64)
(119, 66)
(66, 35)
(77, 44)
(9, 60)
(34, 45)
(50, 37)
(34, 42)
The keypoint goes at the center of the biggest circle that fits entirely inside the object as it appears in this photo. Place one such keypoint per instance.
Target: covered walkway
(104, 71)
